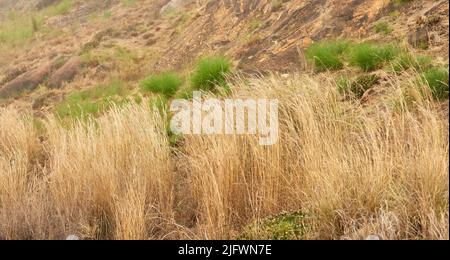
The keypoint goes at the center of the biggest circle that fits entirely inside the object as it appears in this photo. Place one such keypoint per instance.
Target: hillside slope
(165, 35)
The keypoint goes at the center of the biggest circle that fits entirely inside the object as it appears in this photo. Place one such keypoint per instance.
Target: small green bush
(343, 85)
(369, 57)
(327, 55)
(364, 83)
(408, 60)
(383, 27)
(166, 84)
(211, 72)
(437, 80)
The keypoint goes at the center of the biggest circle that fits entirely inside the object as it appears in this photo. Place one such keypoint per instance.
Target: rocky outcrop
(27, 81)
(66, 73)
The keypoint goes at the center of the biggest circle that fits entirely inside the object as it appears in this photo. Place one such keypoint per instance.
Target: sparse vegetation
(91, 102)
(61, 7)
(383, 27)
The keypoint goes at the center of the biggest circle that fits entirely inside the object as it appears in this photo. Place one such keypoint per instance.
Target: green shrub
(363, 83)
(166, 84)
(369, 57)
(286, 226)
(383, 27)
(327, 55)
(408, 60)
(437, 80)
(211, 72)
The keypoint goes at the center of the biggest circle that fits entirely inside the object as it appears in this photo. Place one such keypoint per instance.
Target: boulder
(27, 81)
(66, 72)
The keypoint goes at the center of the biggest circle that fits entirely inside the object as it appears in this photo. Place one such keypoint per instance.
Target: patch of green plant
(328, 55)
(18, 28)
(286, 226)
(408, 60)
(107, 14)
(383, 27)
(254, 25)
(128, 2)
(211, 72)
(437, 79)
(166, 84)
(60, 8)
(343, 85)
(369, 56)
(400, 2)
(185, 93)
(363, 83)
(91, 102)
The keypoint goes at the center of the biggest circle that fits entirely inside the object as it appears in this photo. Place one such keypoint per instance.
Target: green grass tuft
(370, 57)
(211, 72)
(166, 84)
(383, 27)
(408, 60)
(328, 55)
(437, 79)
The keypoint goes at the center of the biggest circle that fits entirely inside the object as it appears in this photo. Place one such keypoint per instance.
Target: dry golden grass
(105, 179)
(352, 169)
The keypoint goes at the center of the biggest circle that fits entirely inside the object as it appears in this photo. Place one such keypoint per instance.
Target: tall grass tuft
(211, 72)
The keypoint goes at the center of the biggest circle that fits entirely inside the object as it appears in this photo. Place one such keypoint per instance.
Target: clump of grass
(343, 85)
(211, 72)
(166, 84)
(356, 87)
(60, 8)
(91, 102)
(408, 60)
(369, 56)
(383, 27)
(437, 79)
(328, 55)
(363, 83)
